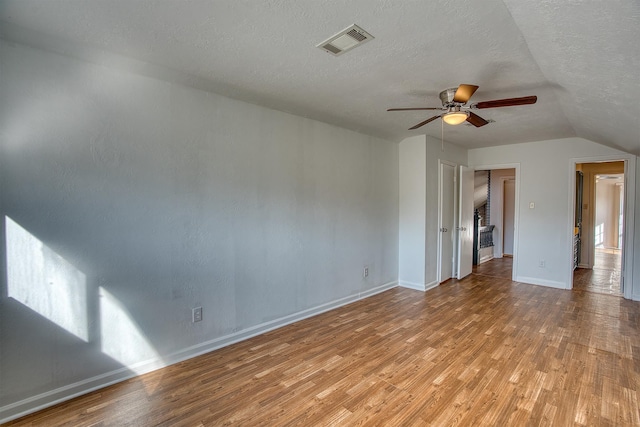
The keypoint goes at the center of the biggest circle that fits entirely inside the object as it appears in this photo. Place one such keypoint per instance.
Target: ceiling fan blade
(476, 120)
(525, 100)
(464, 93)
(424, 123)
(416, 108)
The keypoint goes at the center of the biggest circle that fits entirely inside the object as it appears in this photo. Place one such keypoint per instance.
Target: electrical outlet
(541, 263)
(196, 314)
(365, 271)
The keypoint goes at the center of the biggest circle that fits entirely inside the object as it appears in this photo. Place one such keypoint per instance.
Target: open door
(465, 225)
(447, 222)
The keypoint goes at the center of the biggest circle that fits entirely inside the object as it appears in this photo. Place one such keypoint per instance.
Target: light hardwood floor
(497, 267)
(604, 277)
(480, 351)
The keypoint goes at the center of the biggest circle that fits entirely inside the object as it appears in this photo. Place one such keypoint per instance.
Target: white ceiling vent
(345, 40)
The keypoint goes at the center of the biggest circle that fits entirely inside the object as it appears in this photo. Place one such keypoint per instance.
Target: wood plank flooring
(497, 267)
(480, 351)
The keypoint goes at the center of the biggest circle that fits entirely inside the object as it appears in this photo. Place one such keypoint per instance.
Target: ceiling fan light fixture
(454, 99)
(455, 117)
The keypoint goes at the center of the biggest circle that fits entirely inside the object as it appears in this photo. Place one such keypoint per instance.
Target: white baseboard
(411, 285)
(43, 400)
(53, 397)
(418, 286)
(541, 282)
(431, 285)
(485, 259)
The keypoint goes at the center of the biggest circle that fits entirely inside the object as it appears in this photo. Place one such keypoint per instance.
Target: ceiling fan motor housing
(446, 96)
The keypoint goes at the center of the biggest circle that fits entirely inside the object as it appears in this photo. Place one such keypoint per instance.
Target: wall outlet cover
(196, 314)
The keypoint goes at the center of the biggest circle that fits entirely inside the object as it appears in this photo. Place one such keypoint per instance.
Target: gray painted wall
(136, 200)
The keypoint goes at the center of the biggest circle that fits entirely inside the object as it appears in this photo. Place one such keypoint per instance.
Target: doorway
(598, 257)
(496, 195)
(446, 221)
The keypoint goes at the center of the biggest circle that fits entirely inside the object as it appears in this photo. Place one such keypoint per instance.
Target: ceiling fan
(453, 103)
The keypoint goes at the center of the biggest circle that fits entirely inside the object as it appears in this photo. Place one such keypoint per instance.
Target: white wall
(144, 199)
(636, 237)
(496, 207)
(508, 219)
(545, 231)
(607, 209)
(413, 194)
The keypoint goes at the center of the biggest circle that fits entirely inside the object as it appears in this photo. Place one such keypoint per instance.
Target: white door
(465, 228)
(447, 220)
(509, 204)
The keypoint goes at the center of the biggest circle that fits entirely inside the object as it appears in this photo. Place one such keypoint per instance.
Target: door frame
(460, 224)
(503, 180)
(454, 224)
(628, 220)
(516, 210)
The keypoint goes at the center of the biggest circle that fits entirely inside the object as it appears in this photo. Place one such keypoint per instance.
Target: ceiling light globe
(455, 117)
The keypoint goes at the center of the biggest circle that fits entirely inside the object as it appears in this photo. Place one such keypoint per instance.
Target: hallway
(497, 267)
(604, 278)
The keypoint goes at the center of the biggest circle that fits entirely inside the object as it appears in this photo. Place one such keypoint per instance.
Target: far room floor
(605, 276)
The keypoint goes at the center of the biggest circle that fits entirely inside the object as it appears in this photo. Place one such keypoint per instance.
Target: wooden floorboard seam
(479, 351)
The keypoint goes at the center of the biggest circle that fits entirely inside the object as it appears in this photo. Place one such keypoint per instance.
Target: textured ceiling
(581, 58)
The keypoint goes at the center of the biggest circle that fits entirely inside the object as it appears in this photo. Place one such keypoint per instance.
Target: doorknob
(444, 230)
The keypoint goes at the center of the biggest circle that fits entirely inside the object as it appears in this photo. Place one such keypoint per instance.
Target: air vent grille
(331, 48)
(356, 35)
(345, 40)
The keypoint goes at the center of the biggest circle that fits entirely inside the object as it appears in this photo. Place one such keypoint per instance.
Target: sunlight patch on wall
(121, 338)
(42, 280)
(599, 235)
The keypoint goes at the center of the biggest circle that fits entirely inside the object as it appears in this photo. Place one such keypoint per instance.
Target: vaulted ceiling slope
(580, 57)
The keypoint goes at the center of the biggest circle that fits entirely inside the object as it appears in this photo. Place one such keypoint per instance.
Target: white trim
(441, 163)
(52, 397)
(629, 218)
(431, 285)
(485, 258)
(629, 224)
(418, 286)
(459, 225)
(411, 285)
(542, 282)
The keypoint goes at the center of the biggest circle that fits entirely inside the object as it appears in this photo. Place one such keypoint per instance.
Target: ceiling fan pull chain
(442, 134)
